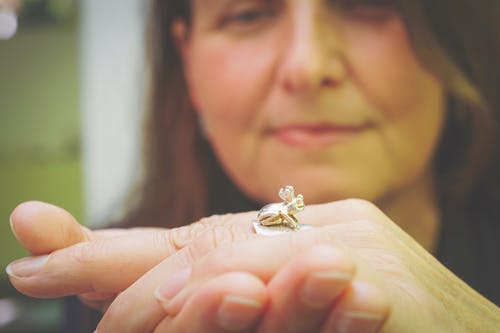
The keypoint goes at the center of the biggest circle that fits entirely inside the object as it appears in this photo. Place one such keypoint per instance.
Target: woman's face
(327, 96)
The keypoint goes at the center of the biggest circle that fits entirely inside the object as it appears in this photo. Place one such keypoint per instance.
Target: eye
(247, 16)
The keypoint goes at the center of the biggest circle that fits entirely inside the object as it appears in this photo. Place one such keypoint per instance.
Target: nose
(313, 58)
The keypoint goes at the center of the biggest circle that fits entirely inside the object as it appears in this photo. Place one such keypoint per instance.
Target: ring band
(276, 230)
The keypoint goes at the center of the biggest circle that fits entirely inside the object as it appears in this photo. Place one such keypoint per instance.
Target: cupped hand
(91, 263)
(312, 292)
(309, 287)
(191, 291)
(411, 280)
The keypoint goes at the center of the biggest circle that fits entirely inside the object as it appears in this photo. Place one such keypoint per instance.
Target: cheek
(408, 99)
(231, 82)
(391, 78)
(227, 81)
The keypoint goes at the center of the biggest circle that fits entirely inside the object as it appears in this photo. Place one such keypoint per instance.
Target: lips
(316, 135)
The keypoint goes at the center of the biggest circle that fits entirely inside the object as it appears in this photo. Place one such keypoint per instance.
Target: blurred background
(71, 94)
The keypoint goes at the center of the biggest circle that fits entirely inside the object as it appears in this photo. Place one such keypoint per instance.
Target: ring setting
(277, 218)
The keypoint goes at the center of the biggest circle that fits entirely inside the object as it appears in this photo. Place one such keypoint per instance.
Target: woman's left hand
(393, 272)
(96, 265)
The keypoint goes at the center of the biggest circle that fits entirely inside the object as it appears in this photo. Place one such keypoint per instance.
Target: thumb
(43, 228)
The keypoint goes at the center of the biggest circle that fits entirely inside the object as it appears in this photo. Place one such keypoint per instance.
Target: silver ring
(279, 218)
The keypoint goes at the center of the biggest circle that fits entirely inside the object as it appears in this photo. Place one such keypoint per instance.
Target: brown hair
(457, 40)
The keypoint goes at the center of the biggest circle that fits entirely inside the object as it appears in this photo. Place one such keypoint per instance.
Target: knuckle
(361, 205)
(222, 235)
(362, 208)
(216, 236)
(178, 238)
(170, 241)
(204, 240)
(360, 233)
(367, 226)
(203, 244)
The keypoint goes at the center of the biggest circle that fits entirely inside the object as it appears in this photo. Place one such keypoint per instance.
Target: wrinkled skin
(381, 272)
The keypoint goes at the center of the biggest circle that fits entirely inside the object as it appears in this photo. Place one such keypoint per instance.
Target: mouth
(315, 135)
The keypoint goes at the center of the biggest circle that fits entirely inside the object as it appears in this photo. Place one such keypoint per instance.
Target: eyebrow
(209, 8)
(213, 5)
(212, 9)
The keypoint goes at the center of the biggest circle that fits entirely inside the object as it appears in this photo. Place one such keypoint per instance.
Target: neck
(415, 209)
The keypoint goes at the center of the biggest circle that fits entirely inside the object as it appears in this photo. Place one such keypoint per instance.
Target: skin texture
(299, 63)
(365, 255)
(317, 93)
(73, 269)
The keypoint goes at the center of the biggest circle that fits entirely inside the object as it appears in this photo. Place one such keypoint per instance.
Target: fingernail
(27, 267)
(238, 313)
(173, 285)
(320, 289)
(358, 321)
(11, 222)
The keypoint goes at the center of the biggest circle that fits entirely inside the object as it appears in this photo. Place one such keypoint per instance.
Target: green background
(39, 143)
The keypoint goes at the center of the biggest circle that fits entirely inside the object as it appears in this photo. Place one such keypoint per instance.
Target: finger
(104, 265)
(138, 303)
(100, 266)
(97, 266)
(363, 308)
(264, 256)
(232, 302)
(260, 256)
(42, 228)
(304, 291)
